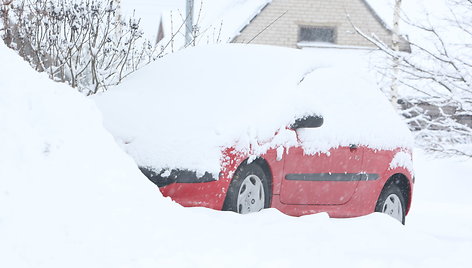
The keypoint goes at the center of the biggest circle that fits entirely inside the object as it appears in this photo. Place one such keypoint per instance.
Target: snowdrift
(69, 197)
(180, 111)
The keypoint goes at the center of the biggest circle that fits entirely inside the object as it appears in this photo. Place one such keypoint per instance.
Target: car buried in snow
(243, 128)
(346, 181)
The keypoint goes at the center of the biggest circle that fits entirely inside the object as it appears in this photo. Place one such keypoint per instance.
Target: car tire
(392, 202)
(248, 191)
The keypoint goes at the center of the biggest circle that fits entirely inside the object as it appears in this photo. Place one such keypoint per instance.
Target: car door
(323, 178)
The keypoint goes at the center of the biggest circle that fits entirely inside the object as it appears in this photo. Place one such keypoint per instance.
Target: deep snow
(69, 197)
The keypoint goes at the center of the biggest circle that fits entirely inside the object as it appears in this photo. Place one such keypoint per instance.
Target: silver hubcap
(251, 195)
(393, 207)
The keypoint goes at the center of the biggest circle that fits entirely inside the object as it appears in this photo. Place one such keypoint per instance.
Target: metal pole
(189, 23)
(396, 48)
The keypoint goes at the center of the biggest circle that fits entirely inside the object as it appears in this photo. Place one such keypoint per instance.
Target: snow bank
(182, 110)
(69, 197)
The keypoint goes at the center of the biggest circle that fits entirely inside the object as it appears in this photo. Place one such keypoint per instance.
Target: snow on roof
(182, 110)
(218, 20)
(236, 15)
(383, 9)
(414, 11)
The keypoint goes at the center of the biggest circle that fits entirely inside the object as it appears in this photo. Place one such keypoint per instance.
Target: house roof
(382, 10)
(367, 3)
(218, 20)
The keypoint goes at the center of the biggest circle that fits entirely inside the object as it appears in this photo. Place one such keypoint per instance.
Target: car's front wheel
(392, 202)
(248, 191)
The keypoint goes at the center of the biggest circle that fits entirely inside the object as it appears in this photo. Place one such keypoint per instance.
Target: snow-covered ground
(69, 197)
(442, 205)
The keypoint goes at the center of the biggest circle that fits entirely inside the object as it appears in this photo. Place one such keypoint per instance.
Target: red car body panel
(206, 194)
(341, 195)
(343, 161)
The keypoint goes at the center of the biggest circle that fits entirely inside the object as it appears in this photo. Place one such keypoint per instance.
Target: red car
(344, 182)
(299, 131)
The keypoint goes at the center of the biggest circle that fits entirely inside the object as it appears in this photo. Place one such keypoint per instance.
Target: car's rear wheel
(248, 191)
(392, 202)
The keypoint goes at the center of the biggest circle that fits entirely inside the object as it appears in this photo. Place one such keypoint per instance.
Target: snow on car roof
(180, 111)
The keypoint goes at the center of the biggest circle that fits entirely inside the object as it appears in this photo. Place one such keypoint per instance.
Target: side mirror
(312, 121)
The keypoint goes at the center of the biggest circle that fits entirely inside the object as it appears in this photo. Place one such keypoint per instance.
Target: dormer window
(317, 34)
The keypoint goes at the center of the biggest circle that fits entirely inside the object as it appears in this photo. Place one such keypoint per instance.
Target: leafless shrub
(84, 43)
(438, 75)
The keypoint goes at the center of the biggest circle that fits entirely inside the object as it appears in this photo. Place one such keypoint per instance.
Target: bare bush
(438, 78)
(84, 43)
